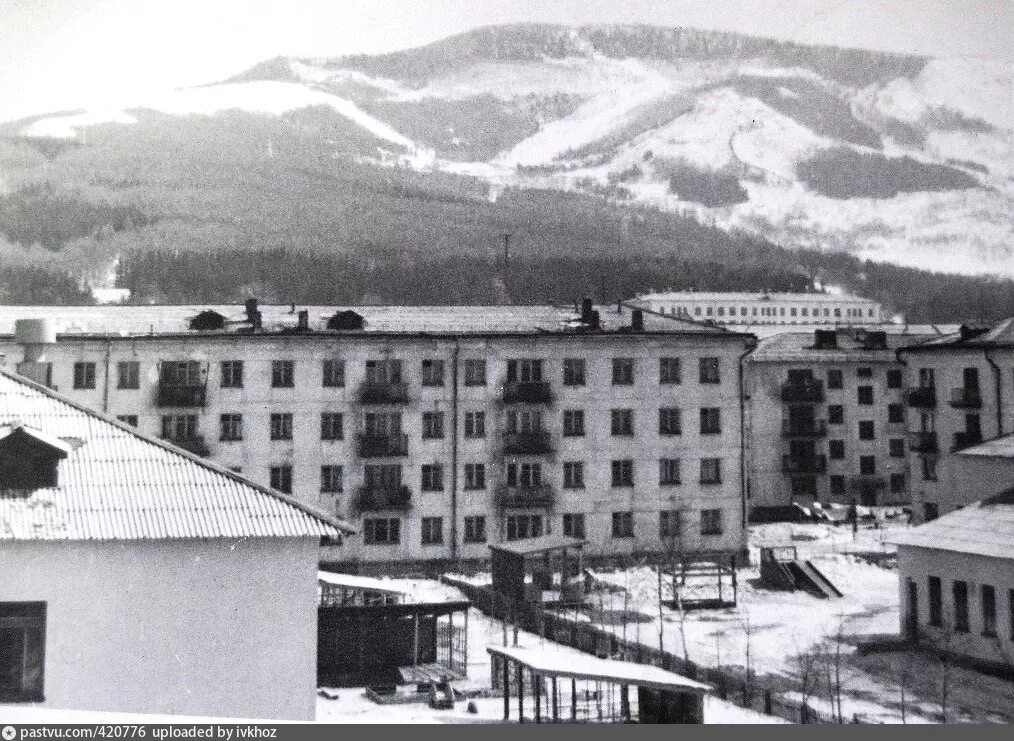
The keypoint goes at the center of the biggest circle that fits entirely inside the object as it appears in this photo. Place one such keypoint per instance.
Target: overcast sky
(67, 54)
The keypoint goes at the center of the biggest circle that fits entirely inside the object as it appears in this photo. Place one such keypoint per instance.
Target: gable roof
(985, 528)
(122, 485)
(999, 336)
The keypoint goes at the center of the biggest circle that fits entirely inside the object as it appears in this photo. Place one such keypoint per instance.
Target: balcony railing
(383, 446)
(923, 397)
(517, 497)
(527, 392)
(808, 428)
(867, 483)
(195, 444)
(806, 391)
(966, 438)
(923, 442)
(804, 463)
(383, 392)
(176, 395)
(378, 498)
(534, 442)
(963, 397)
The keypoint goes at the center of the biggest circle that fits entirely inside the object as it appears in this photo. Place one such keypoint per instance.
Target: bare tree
(808, 666)
(748, 646)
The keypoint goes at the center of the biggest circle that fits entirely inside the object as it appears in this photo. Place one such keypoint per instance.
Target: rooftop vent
(970, 333)
(637, 320)
(208, 320)
(303, 321)
(347, 320)
(825, 339)
(874, 340)
(252, 314)
(29, 459)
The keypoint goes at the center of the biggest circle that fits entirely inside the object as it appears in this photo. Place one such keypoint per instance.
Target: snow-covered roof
(985, 528)
(759, 296)
(555, 661)
(354, 581)
(1000, 335)
(538, 545)
(1000, 447)
(799, 346)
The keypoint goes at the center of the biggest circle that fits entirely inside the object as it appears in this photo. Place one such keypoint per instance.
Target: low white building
(763, 308)
(956, 580)
(138, 578)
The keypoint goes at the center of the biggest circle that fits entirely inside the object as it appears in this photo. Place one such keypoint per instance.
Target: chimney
(637, 320)
(825, 339)
(251, 309)
(36, 336)
(303, 323)
(586, 311)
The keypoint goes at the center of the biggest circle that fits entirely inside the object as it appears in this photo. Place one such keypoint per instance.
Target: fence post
(767, 702)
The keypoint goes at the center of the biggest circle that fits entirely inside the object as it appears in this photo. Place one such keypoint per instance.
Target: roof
(353, 581)
(913, 332)
(1000, 335)
(554, 661)
(134, 321)
(1000, 447)
(757, 296)
(541, 544)
(119, 484)
(985, 528)
(798, 346)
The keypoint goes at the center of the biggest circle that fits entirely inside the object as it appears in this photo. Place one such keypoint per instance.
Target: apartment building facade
(437, 431)
(826, 420)
(764, 308)
(961, 391)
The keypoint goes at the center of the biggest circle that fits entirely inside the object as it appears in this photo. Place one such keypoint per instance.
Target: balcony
(923, 442)
(867, 483)
(519, 497)
(379, 498)
(533, 442)
(805, 391)
(527, 392)
(383, 446)
(178, 395)
(804, 463)
(383, 392)
(966, 398)
(807, 428)
(922, 397)
(966, 439)
(194, 444)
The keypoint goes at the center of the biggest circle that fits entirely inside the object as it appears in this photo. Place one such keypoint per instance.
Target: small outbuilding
(547, 569)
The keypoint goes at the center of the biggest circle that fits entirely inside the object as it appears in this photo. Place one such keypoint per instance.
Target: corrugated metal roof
(798, 346)
(1001, 447)
(445, 320)
(122, 485)
(985, 528)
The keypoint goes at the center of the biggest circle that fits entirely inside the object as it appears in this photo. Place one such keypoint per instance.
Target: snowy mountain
(893, 158)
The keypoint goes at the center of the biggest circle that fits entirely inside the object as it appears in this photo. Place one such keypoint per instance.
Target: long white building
(764, 308)
(435, 430)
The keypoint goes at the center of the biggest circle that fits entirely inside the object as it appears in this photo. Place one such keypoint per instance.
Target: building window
(896, 446)
(669, 472)
(432, 477)
(803, 487)
(897, 483)
(281, 478)
(988, 596)
(573, 525)
(84, 375)
(864, 395)
(864, 372)
(930, 511)
(475, 529)
(835, 414)
(711, 470)
(230, 427)
(894, 378)
(381, 531)
(622, 422)
(866, 430)
(622, 473)
(929, 467)
(22, 651)
(936, 605)
(669, 421)
(573, 372)
(524, 474)
(711, 522)
(128, 374)
(432, 425)
(383, 371)
(573, 423)
(867, 465)
(179, 426)
(282, 374)
(711, 421)
(669, 371)
(432, 530)
(520, 527)
(710, 370)
(623, 524)
(432, 372)
(475, 424)
(834, 379)
(837, 485)
(331, 480)
(475, 375)
(232, 374)
(281, 426)
(573, 475)
(959, 591)
(623, 371)
(332, 426)
(128, 419)
(895, 414)
(475, 476)
(836, 450)
(669, 524)
(333, 373)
